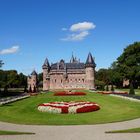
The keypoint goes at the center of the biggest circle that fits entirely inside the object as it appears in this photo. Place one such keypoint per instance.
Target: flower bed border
(69, 93)
(113, 92)
(68, 107)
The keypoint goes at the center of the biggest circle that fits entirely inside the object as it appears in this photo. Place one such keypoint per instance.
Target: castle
(62, 75)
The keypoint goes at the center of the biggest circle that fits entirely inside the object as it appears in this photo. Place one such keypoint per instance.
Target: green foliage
(109, 76)
(102, 75)
(100, 85)
(131, 91)
(12, 79)
(107, 88)
(129, 63)
(1, 63)
(112, 87)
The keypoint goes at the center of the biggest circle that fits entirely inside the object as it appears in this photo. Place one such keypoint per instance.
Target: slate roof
(46, 63)
(70, 66)
(90, 61)
(34, 73)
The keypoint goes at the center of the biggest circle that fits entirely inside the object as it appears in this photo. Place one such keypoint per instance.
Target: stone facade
(72, 75)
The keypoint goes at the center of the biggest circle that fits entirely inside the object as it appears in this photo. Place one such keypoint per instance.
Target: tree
(103, 75)
(129, 63)
(1, 63)
(131, 91)
(112, 87)
(107, 88)
(100, 85)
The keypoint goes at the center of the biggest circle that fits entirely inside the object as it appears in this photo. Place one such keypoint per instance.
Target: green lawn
(133, 130)
(14, 133)
(112, 110)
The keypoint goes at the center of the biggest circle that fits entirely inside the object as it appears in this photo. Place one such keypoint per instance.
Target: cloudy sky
(31, 30)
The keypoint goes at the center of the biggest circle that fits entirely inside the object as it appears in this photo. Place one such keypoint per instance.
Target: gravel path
(75, 132)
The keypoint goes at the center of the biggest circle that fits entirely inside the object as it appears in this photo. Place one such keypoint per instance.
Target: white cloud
(76, 37)
(82, 26)
(78, 31)
(11, 50)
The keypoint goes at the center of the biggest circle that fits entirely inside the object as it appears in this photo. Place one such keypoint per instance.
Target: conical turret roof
(90, 61)
(33, 72)
(46, 63)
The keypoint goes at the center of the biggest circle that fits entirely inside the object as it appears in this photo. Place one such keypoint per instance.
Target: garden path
(72, 132)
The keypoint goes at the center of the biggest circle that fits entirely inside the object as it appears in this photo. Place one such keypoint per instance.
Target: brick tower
(90, 72)
(46, 76)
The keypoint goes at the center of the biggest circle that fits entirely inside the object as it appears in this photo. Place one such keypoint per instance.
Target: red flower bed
(68, 107)
(69, 93)
(112, 92)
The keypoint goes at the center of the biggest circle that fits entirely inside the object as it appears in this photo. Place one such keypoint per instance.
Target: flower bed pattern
(68, 107)
(69, 93)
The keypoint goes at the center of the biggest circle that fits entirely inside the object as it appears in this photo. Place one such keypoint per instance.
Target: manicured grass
(112, 110)
(133, 130)
(15, 133)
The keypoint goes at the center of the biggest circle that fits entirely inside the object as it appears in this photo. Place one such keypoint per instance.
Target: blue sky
(31, 30)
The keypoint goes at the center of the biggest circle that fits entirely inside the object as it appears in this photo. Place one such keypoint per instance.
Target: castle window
(61, 80)
(83, 80)
(55, 80)
(79, 80)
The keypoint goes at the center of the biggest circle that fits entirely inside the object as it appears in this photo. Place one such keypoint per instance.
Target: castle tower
(32, 81)
(46, 76)
(90, 72)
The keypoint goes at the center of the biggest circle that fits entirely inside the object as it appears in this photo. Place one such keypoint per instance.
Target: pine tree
(131, 91)
(112, 87)
(25, 88)
(107, 89)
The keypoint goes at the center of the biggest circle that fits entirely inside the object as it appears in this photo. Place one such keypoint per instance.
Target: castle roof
(90, 61)
(69, 66)
(34, 73)
(74, 64)
(46, 63)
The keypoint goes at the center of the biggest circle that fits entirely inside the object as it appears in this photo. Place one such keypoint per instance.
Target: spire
(90, 61)
(72, 59)
(46, 64)
(34, 73)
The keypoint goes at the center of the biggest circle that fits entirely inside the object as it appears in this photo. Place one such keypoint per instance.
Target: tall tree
(1, 63)
(129, 64)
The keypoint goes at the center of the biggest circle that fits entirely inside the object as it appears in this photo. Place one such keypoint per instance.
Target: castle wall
(58, 81)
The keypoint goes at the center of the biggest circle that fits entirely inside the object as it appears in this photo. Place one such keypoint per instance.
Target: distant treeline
(12, 79)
